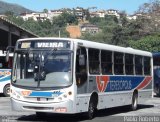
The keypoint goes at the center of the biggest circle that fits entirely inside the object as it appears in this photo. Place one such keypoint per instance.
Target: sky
(130, 6)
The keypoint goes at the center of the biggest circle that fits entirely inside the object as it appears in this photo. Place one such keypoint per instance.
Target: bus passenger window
(147, 66)
(106, 62)
(129, 64)
(118, 63)
(94, 61)
(138, 65)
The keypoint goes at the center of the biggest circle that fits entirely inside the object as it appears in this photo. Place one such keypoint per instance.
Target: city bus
(156, 72)
(69, 76)
(5, 73)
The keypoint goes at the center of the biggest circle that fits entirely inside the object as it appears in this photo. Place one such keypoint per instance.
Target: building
(101, 14)
(79, 13)
(90, 28)
(113, 12)
(41, 15)
(10, 33)
(132, 17)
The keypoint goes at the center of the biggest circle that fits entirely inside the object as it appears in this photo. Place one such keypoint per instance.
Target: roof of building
(88, 25)
(17, 26)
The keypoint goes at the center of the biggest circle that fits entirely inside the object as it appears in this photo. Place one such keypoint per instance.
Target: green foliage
(47, 28)
(142, 33)
(148, 43)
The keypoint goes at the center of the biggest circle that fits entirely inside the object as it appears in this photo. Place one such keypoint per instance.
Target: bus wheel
(134, 101)
(91, 110)
(158, 91)
(6, 90)
(40, 114)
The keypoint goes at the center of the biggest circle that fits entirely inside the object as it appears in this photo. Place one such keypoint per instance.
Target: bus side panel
(144, 95)
(114, 99)
(118, 90)
(5, 78)
(82, 102)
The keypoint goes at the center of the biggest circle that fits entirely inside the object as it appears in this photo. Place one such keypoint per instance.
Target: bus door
(81, 70)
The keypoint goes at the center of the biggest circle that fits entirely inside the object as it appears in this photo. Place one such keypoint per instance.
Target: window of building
(94, 61)
(118, 63)
(138, 65)
(147, 65)
(129, 64)
(106, 62)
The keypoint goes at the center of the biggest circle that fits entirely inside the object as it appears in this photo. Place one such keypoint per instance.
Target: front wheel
(91, 110)
(40, 114)
(6, 90)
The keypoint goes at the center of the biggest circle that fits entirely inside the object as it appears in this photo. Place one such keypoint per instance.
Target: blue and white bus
(62, 75)
(5, 73)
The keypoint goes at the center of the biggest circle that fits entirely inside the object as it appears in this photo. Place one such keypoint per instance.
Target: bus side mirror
(81, 60)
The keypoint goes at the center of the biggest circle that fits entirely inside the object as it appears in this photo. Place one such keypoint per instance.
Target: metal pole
(59, 33)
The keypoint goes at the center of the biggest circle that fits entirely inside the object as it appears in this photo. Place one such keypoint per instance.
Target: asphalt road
(148, 112)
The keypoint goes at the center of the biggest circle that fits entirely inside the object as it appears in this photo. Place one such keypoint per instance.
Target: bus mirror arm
(8, 49)
(7, 56)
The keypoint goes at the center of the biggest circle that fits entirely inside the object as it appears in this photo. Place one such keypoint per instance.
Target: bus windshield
(42, 68)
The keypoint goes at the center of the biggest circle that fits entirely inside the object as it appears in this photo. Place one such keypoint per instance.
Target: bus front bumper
(60, 107)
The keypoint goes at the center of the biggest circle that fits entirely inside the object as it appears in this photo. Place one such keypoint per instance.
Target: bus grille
(38, 108)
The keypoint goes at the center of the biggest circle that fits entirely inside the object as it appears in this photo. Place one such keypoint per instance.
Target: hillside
(15, 8)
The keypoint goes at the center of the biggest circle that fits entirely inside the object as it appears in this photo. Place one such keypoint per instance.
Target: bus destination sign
(44, 44)
(50, 44)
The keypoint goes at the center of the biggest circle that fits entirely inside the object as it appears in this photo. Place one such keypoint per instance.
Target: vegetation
(142, 33)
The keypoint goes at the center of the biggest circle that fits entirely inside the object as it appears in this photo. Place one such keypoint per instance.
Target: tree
(148, 43)
(45, 10)
(151, 11)
(9, 13)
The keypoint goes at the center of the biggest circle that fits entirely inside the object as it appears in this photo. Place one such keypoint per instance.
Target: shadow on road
(79, 117)
(118, 110)
(1, 95)
(53, 118)
(158, 96)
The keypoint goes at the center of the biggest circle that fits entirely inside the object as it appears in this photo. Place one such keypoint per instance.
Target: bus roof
(97, 45)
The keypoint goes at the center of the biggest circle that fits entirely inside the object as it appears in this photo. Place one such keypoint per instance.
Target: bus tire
(92, 108)
(6, 90)
(134, 104)
(158, 91)
(40, 114)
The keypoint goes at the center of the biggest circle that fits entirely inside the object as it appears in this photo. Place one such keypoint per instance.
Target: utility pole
(59, 33)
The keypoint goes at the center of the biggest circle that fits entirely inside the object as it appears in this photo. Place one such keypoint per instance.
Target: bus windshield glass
(42, 68)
